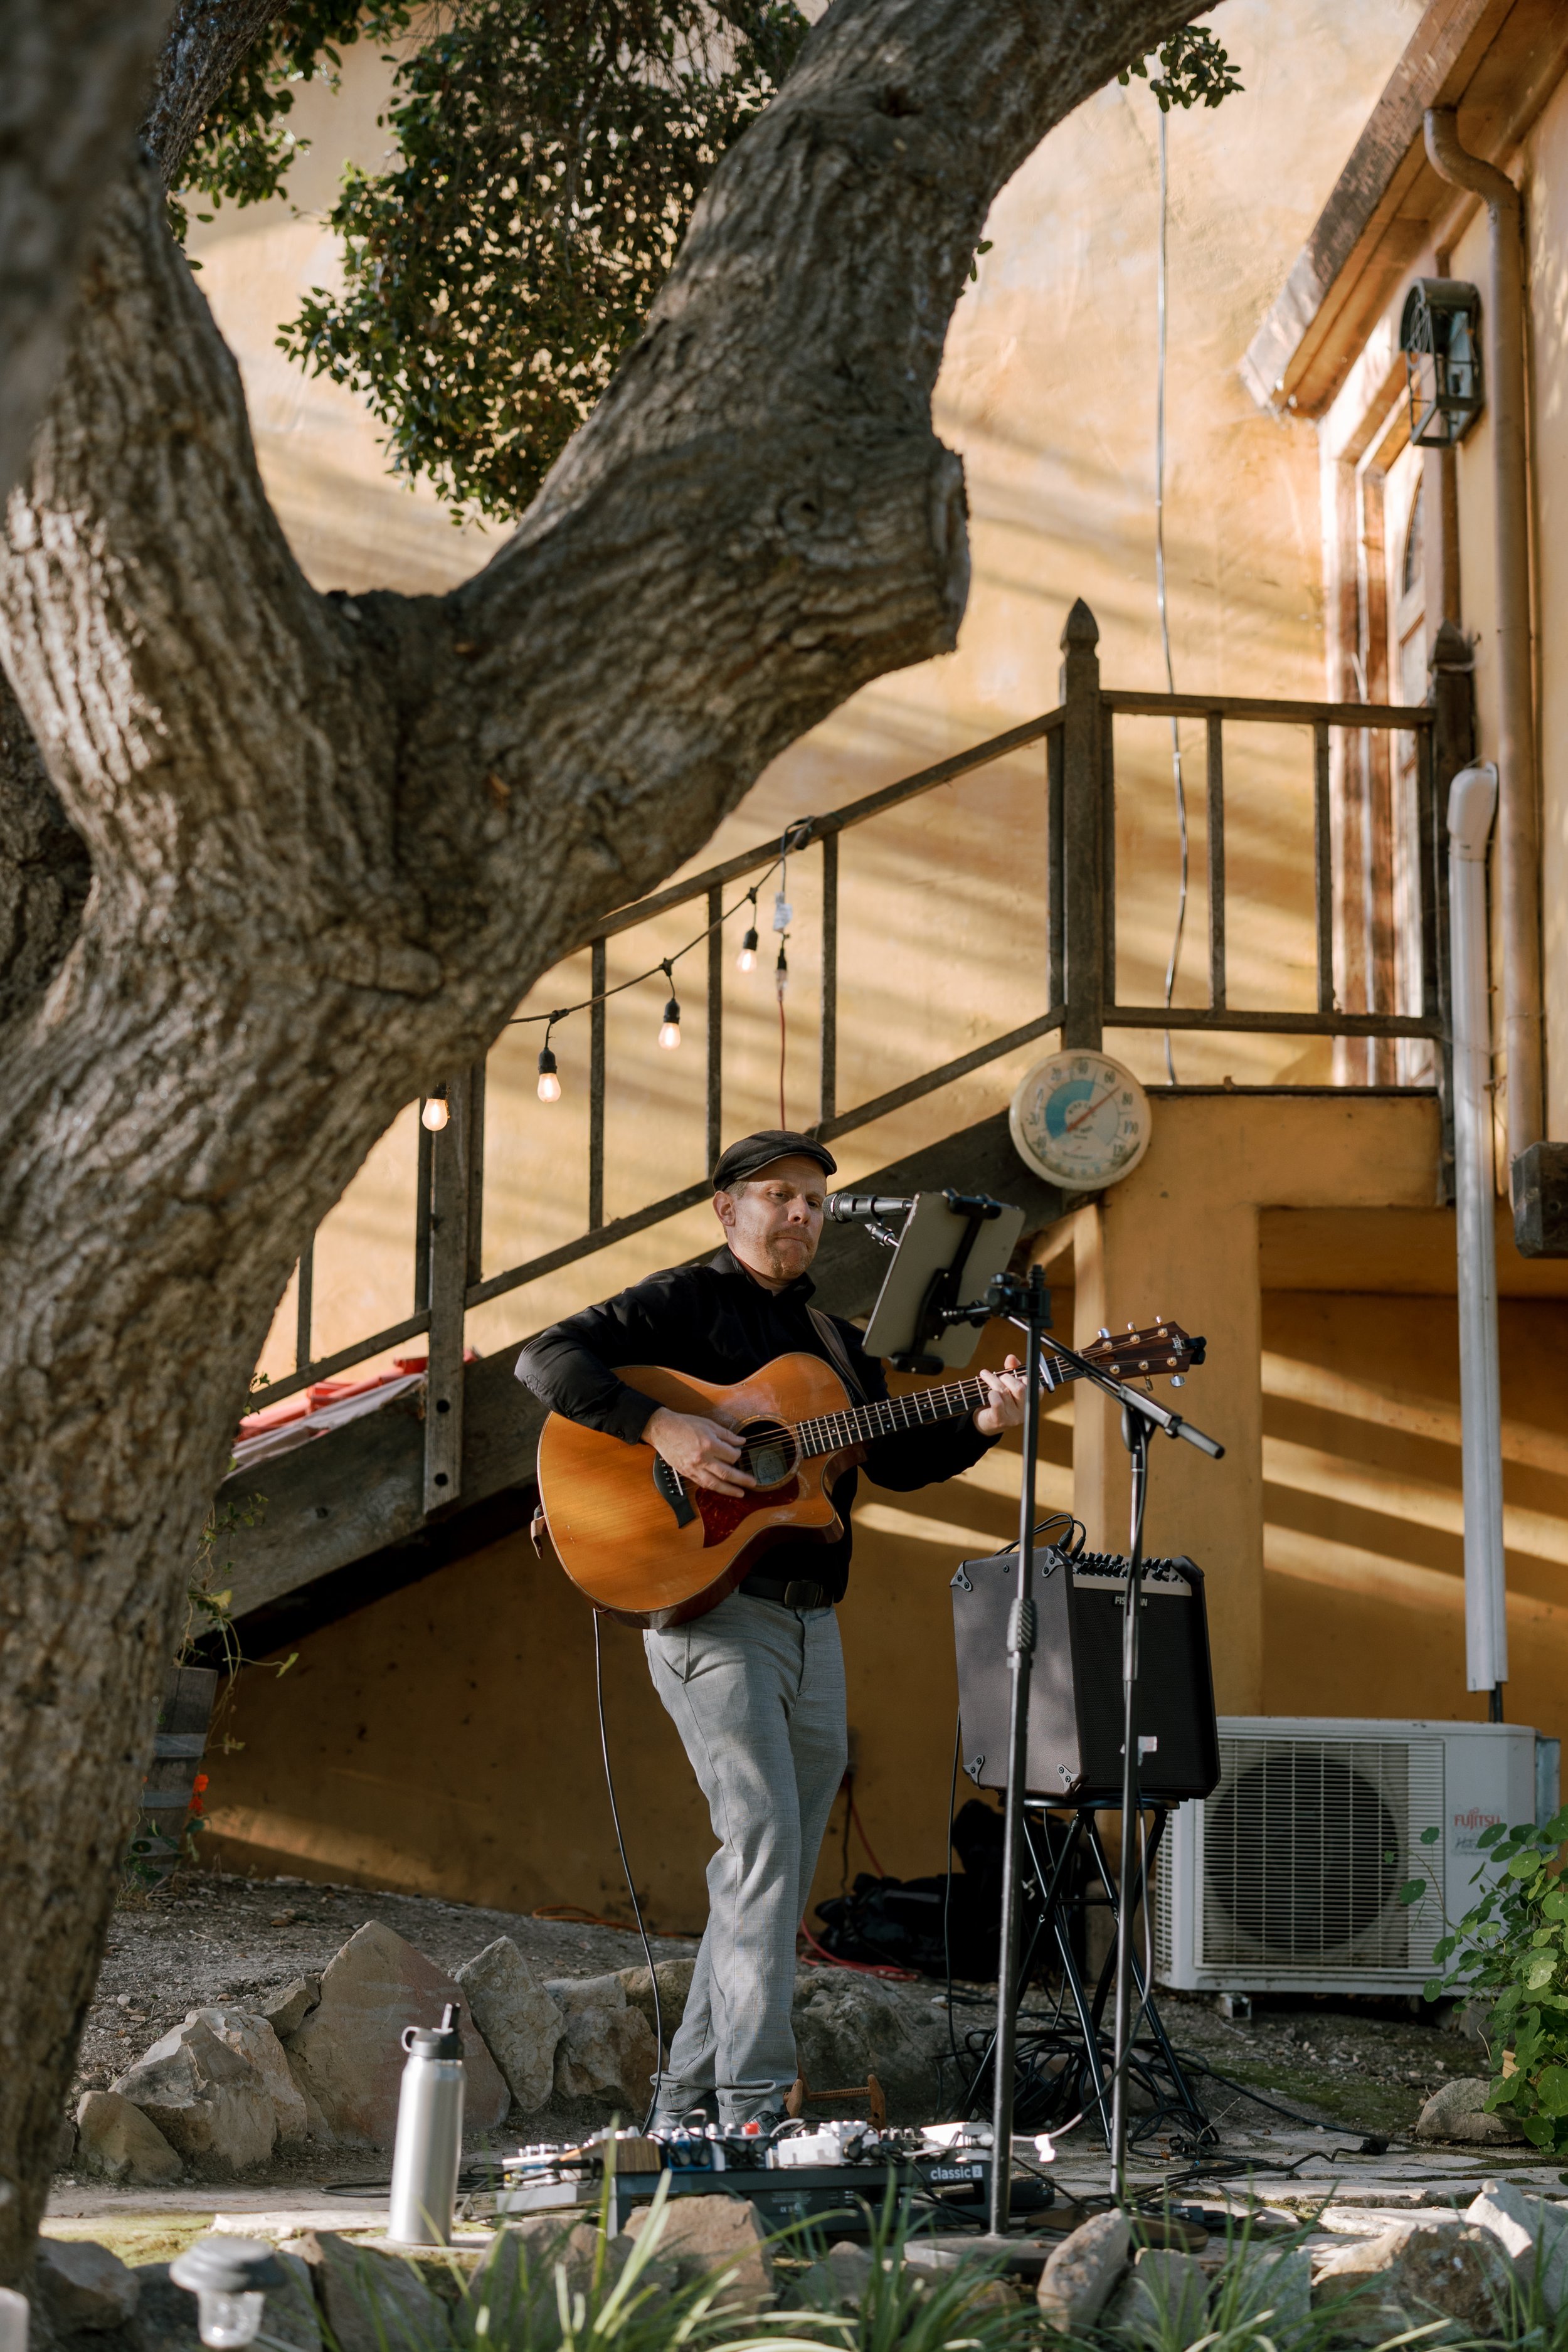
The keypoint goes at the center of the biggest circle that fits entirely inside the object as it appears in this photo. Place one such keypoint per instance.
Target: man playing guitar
(756, 1686)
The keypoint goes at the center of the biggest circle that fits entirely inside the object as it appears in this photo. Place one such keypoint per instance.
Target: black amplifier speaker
(1075, 1690)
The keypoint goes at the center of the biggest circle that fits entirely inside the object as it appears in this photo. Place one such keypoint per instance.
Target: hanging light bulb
(670, 1034)
(747, 959)
(437, 1111)
(549, 1083)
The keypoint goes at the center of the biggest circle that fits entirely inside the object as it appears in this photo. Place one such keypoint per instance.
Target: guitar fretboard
(830, 1433)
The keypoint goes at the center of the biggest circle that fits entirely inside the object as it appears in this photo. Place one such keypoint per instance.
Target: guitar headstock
(1147, 1351)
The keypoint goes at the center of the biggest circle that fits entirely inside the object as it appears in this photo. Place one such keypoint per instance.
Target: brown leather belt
(793, 1591)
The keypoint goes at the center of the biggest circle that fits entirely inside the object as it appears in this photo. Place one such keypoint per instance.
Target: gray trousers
(756, 1692)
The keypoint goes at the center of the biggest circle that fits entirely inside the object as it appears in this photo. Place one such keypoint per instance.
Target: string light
(747, 959)
(795, 837)
(437, 1111)
(670, 1034)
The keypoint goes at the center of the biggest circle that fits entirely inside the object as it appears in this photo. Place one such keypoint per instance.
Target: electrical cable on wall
(1161, 306)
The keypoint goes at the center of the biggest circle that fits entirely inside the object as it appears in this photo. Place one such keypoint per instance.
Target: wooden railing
(1080, 737)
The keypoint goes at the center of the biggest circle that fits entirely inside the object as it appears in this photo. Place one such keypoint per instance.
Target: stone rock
(607, 2053)
(210, 2101)
(704, 2234)
(572, 1994)
(1457, 2112)
(347, 2058)
(846, 2027)
(1164, 2300)
(520, 2020)
(1532, 2233)
(84, 2286)
(1272, 2279)
(516, 2278)
(116, 2140)
(673, 1987)
(254, 2039)
(1414, 2274)
(371, 2301)
(1079, 2277)
(850, 2270)
(286, 2009)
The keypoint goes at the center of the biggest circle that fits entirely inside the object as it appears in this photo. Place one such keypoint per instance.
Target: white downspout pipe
(1472, 804)
(1518, 825)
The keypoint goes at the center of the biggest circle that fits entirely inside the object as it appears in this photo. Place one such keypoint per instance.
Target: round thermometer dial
(1081, 1121)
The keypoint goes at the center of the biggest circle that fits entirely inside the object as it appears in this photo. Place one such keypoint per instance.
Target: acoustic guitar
(655, 1550)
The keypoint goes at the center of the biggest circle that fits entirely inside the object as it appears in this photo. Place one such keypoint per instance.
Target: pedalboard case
(843, 2174)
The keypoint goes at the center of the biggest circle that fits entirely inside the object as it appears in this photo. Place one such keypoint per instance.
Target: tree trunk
(334, 839)
(76, 76)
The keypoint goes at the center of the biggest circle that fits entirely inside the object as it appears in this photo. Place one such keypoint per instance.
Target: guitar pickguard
(722, 1514)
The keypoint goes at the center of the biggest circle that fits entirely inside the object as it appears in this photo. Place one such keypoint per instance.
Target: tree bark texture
(334, 839)
(73, 82)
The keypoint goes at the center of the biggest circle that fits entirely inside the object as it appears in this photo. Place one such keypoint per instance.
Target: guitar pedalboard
(842, 2171)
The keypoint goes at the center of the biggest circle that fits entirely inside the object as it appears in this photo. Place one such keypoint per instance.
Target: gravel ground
(206, 1938)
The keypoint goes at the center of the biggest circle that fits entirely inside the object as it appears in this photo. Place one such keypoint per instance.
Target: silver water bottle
(429, 2145)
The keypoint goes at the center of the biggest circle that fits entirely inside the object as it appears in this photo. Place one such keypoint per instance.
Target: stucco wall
(445, 1739)
(1049, 392)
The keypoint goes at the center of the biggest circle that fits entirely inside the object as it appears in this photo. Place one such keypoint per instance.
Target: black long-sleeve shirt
(714, 1322)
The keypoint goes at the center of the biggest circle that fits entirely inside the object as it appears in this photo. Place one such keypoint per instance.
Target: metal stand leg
(1151, 2014)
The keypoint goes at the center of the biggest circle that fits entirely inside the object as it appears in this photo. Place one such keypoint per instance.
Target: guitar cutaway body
(641, 1545)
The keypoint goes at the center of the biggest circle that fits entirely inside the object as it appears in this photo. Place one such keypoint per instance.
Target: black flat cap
(757, 1151)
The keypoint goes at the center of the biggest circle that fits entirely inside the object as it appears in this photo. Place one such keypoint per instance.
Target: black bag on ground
(898, 1922)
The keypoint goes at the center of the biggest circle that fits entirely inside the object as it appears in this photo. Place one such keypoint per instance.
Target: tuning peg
(1103, 1332)
(1131, 1325)
(1178, 1379)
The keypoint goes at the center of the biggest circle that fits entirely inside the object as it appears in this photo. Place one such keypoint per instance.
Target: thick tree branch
(758, 518)
(43, 870)
(207, 39)
(76, 75)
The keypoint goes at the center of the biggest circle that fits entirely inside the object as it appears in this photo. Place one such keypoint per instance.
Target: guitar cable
(631, 1886)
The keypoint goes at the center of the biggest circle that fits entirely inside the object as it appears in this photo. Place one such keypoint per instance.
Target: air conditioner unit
(1287, 1878)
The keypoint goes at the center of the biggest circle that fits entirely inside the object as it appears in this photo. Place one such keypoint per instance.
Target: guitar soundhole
(769, 1455)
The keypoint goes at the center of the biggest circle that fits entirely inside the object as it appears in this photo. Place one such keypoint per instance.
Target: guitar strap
(828, 1333)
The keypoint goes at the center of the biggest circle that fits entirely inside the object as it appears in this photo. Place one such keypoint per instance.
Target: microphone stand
(1026, 1302)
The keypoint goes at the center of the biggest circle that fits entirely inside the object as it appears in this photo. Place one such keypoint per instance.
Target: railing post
(596, 985)
(1215, 829)
(1085, 913)
(451, 1166)
(828, 1097)
(306, 1271)
(715, 1027)
(1451, 690)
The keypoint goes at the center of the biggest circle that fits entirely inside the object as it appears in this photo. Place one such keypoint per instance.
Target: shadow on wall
(443, 1740)
(1364, 1535)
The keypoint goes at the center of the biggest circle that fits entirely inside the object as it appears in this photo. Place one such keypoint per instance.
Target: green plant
(550, 157)
(1193, 70)
(1512, 1947)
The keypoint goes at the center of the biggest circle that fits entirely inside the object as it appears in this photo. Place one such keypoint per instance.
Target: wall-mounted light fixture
(1438, 333)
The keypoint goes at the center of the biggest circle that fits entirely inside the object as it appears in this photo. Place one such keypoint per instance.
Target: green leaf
(1413, 1890)
(1537, 2128)
(1430, 1837)
(1491, 1835)
(1552, 2090)
(1443, 1948)
(1538, 1970)
(1524, 1865)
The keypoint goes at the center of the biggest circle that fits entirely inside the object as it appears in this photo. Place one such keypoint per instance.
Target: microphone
(843, 1208)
